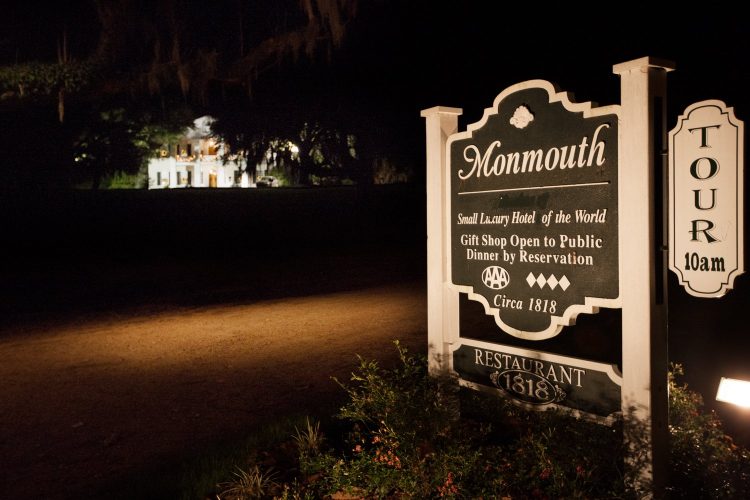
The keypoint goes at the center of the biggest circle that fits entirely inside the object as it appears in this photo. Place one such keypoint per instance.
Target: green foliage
(252, 483)
(705, 463)
(114, 147)
(315, 154)
(404, 439)
(123, 180)
(309, 441)
(35, 78)
(268, 447)
(327, 156)
(407, 439)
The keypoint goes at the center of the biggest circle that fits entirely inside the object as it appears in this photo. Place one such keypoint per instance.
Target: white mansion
(196, 161)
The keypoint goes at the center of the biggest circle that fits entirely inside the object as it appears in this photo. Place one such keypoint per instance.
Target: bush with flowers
(408, 435)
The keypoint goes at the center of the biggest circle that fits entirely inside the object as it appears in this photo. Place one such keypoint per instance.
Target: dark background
(398, 58)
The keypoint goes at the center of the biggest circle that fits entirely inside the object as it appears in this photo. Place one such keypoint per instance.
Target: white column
(642, 285)
(172, 173)
(198, 174)
(442, 301)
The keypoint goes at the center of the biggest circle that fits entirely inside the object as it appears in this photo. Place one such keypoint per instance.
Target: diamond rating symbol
(552, 281)
(531, 279)
(564, 283)
(541, 281)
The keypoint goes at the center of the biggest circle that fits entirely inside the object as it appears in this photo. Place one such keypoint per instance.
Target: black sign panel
(534, 210)
(538, 381)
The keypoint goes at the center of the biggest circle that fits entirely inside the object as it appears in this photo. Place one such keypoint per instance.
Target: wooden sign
(522, 215)
(539, 381)
(706, 169)
(533, 210)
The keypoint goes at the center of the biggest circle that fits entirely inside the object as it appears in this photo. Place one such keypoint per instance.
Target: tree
(34, 80)
(151, 57)
(115, 141)
(180, 46)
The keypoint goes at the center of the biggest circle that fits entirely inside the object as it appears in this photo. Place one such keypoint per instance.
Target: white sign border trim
(591, 304)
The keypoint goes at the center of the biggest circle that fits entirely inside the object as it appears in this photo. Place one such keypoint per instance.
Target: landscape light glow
(734, 391)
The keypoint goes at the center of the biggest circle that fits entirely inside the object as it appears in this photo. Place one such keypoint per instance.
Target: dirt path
(90, 403)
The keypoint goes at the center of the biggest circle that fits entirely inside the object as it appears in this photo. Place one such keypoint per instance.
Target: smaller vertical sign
(706, 168)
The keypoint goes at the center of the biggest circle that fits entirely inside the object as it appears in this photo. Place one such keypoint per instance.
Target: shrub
(704, 461)
(252, 483)
(124, 180)
(403, 438)
(406, 440)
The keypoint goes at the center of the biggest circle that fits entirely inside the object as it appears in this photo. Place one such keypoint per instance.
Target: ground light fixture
(734, 391)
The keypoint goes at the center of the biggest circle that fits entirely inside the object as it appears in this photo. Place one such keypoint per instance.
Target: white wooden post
(644, 333)
(442, 301)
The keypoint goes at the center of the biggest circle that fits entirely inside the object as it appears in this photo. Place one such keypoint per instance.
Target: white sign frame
(644, 358)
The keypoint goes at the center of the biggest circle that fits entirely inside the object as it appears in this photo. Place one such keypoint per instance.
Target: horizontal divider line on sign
(559, 186)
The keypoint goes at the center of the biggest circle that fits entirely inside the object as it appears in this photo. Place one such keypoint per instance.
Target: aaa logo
(495, 277)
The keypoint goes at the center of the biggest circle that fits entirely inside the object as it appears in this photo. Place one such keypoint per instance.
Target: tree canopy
(248, 63)
(162, 46)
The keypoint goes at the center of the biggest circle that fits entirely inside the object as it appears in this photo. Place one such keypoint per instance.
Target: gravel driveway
(88, 404)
